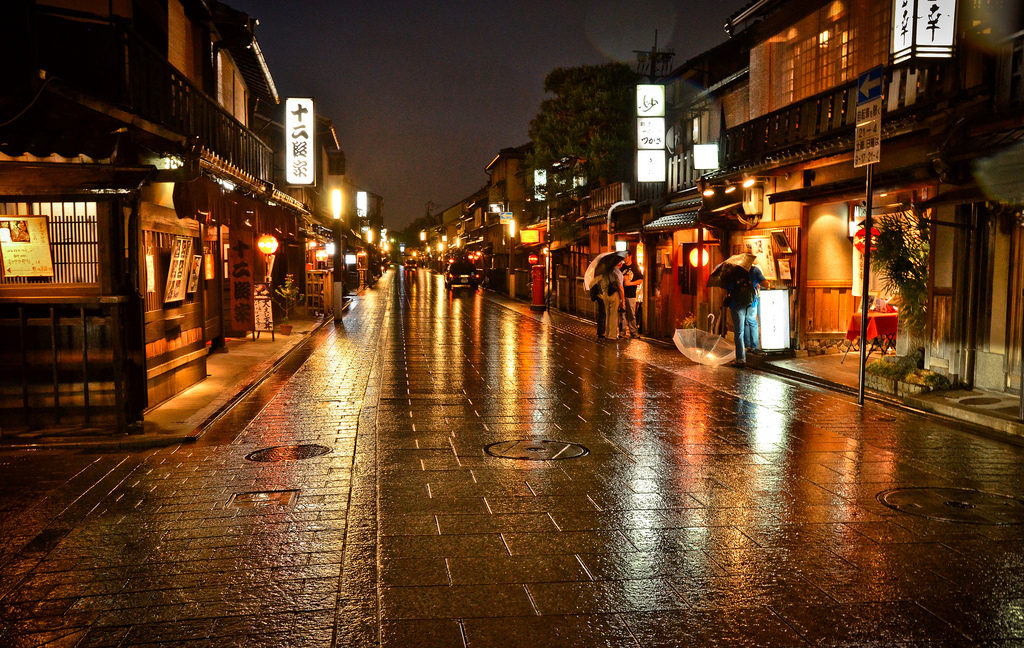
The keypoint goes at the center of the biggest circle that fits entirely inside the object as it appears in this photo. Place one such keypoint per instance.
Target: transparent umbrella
(602, 264)
(704, 347)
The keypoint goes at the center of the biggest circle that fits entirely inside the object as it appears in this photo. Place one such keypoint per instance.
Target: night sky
(424, 94)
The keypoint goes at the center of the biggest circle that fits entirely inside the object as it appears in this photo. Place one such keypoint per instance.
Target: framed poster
(193, 274)
(785, 274)
(263, 314)
(25, 246)
(762, 249)
(177, 270)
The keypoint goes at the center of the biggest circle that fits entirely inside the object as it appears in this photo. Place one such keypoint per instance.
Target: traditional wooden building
(133, 191)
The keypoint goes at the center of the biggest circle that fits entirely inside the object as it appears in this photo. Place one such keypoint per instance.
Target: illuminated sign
(540, 183)
(923, 29)
(705, 156)
(529, 236)
(650, 166)
(650, 133)
(650, 100)
(361, 204)
(773, 316)
(300, 145)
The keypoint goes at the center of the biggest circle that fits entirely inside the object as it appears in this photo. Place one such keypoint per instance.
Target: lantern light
(267, 244)
(336, 204)
(702, 261)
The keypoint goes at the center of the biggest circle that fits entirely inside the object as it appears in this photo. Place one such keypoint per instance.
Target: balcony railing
(111, 62)
(831, 113)
(600, 199)
(681, 174)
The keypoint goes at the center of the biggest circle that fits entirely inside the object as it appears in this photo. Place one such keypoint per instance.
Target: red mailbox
(537, 279)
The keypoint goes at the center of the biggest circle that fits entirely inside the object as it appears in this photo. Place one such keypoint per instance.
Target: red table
(881, 331)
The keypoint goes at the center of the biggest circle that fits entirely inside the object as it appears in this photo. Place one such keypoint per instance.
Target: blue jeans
(744, 326)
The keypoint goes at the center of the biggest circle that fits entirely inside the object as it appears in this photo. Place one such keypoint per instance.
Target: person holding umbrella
(603, 280)
(742, 282)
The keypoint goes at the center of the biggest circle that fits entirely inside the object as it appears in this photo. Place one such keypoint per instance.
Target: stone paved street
(712, 507)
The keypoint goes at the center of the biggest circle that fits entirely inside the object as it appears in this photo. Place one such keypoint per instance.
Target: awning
(209, 202)
(854, 187)
(60, 178)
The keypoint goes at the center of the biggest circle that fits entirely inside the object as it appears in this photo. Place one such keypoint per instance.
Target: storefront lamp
(321, 256)
(267, 244)
(512, 228)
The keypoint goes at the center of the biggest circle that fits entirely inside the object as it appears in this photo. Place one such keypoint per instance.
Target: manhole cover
(288, 452)
(535, 449)
(981, 400)
(965, 505)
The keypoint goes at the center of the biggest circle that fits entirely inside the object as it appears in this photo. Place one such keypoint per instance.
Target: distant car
(462, 273)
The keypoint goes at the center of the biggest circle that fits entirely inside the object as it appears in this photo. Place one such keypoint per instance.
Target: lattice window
(74, 240)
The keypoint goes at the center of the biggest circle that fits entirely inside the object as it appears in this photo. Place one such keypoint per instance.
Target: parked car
(462, 272)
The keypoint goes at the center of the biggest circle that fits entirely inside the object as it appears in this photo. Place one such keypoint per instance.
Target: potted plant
(288, 296)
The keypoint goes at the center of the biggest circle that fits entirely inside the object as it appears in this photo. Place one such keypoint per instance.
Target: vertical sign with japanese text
(300, 149)
(923, 29)
(650, 132)
(240, 280)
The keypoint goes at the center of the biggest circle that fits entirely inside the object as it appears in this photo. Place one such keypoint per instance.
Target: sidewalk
(993, 412)
(183, 417)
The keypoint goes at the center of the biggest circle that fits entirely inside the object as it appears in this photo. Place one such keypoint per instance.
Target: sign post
(867, 152)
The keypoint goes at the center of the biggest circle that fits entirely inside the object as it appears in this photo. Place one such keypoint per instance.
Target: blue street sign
(869, 85)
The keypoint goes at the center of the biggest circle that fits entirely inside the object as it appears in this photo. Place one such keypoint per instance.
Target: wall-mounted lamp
(336, 203)
(730, 188)
(709, 192)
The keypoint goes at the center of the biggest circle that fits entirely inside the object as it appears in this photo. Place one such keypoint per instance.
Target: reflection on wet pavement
(713, 507)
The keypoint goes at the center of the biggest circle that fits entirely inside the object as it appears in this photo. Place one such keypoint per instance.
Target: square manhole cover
(260, 499)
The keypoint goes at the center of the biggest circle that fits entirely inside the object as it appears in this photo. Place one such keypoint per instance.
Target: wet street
(471, 473)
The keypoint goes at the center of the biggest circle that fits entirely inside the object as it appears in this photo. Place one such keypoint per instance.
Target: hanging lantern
(321, 255)
(267, 244)
(702, 260)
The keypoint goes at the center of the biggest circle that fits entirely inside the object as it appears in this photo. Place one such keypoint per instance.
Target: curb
(146, 441)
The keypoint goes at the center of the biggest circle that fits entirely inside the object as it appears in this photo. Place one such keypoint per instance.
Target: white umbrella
(704, 347)
(601, 264)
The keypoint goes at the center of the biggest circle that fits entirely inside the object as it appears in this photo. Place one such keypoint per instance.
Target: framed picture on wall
(762, 248)
(193, 275)
(785, 273)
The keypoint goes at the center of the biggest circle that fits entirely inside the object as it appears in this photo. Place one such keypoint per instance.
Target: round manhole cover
(965, 505)
(288, 452)
(535, 449)
(981, 400)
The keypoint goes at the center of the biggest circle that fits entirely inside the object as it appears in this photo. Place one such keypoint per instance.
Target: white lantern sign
(650, 165)
(923, 29)
(300, 141)
(650, 100)
(650, 133)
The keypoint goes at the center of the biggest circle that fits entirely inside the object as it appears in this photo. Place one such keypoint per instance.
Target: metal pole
(547, 260)
(338, 291)
(866, 286)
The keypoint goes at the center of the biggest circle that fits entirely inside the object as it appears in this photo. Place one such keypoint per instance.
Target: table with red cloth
(881, 331)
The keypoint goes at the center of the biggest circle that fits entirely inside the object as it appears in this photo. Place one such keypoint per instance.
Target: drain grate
(259, 499)
(964, 505)
(288, 452)
(980, 400)
(535, 449)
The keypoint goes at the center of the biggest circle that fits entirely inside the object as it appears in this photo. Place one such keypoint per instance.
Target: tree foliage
(586, 128)
(900, 255)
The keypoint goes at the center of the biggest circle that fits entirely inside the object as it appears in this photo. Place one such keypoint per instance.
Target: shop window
(68, 252)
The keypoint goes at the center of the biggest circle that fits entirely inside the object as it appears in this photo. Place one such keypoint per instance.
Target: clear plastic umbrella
(602, 264)
(704, 347)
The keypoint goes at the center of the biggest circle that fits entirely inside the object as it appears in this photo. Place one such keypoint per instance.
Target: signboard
(505, 218)
(300, 144)
(773, 318)
(529, 236)
(650, 166)
(650, 133)
(761, 246)
(193, 275)
(25, 246)
(263, 313)
(923, 29)
(540, 184)
(240, 273)
(705, 156)
(650, 100)
(867, 144)
(178, 269)
(361, 204)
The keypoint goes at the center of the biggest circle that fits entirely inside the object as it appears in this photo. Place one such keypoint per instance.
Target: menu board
(25, 246)
(263, 314)
(178, 270)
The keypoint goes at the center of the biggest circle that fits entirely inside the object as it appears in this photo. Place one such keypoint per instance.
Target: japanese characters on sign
(25, 246)
(361, 204)
(178, 269)
(263, 315)
(923, 29)
(650, 133)
(240, 269)
(867, 142)
(300, 149)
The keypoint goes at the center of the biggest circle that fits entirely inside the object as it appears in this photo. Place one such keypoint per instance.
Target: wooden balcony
(111, 63)
(600, 199)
